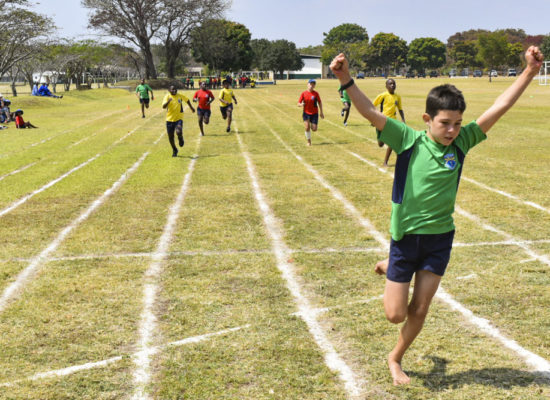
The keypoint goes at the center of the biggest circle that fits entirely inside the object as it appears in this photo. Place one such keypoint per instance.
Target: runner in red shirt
(313, 108)
(204, 97)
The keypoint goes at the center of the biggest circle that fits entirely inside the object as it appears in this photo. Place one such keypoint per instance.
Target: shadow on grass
(503, 378)
(331, 143)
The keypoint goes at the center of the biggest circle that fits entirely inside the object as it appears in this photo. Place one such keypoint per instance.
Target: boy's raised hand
(340, 68)
(534, 58)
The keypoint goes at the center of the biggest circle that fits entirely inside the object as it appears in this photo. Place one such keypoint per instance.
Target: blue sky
(304, 21)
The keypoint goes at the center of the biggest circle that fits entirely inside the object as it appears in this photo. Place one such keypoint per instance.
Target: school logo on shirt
(450, 161)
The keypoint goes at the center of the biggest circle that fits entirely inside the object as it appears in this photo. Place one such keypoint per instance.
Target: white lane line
(27, 197)
(481, 323)
(522, 244)
(282, 253)
(465, 178)
(104, 363)
(467, 277)
(538, 363)
(56, 135)
(508, 195)
(148, 321)
(352, 210)
(326, 250)
(108, 126)
(322, 310)
(17, 170)
(43, 257)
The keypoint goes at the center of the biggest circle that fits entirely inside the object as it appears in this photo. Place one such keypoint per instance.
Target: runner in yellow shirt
(173, 103)
(390, 103)
(226, 99)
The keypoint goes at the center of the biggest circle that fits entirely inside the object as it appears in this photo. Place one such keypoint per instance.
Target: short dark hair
(444, 97)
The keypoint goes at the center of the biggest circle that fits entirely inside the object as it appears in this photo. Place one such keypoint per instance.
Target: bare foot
(399, 377)
(381, 267)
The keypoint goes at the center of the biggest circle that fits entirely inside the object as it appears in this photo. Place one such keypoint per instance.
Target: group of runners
(388, 101)
(173, 103)
(427, 174)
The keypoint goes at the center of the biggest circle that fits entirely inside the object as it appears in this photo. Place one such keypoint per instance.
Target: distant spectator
(34, 89)
(5, 114)
(4, 109)
(20, 122)
(45, 91)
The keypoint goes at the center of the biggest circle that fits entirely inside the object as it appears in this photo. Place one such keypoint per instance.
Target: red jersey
(19, 122)
(204, 97)
(311, 99)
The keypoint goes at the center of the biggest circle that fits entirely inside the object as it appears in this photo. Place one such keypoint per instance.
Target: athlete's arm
(234, 98)
(506, 100)
(402, 115)
(190, 106)
(321, 109)
(339, 67)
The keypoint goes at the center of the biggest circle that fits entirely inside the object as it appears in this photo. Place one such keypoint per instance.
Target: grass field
(243, 268)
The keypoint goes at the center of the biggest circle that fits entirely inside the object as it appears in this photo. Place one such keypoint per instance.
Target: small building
(313, 69)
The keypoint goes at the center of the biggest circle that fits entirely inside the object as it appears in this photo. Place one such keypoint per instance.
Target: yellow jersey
(174, 111)
(226, 95)
(390, 104)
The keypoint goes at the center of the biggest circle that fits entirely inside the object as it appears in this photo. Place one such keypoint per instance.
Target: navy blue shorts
(312, 118)
(144, 101)
(224, 110)
(201, 112)
(419, 252)
(171, 126)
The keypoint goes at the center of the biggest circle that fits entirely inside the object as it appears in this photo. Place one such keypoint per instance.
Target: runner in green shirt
(142, 93)
(346, 104)
(427, 174)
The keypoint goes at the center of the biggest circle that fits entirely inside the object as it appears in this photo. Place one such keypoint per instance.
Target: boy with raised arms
(426, 180)
(173, 103)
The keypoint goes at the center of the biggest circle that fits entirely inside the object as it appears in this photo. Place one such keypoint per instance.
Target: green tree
(464, 54)
(312, 50)
(179, 18)
(386, 51)
(493, 50)
(137, 21)
(21, 28)
(465, 36)
(545, 47)
(260, 49)
(515, 50)
(222, 45)
(345, 33)
(282, 56)
(426, 53)
(350, 39)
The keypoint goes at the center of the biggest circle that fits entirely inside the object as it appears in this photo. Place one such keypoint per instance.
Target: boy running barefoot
(426, 180)
(389, 103)
(313, 108)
